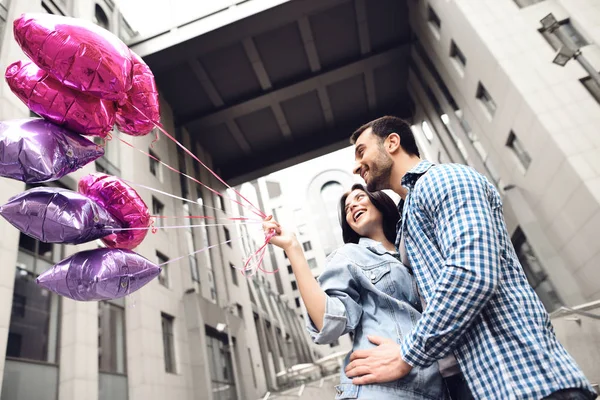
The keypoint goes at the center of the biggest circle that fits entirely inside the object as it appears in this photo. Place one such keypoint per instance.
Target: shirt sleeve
(458, 208)
(342, 310)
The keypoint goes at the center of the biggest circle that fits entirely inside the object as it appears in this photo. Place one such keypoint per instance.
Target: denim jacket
(370, 292)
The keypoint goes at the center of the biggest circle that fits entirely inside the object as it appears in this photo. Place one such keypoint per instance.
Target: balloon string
(167, 134)
(179, 226)
(243, 271)
(195, 252)
(256, 210)
(183, 199)
(204, 217)
(187, 176)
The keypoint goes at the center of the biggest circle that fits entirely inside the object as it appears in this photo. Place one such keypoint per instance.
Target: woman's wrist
(293, 246)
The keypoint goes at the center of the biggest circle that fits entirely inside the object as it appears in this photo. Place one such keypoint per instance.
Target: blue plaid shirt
(480, 306)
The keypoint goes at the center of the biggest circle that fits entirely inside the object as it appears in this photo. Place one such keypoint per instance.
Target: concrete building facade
(487, 94)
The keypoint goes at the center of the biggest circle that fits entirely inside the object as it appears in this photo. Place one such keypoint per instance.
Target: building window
(312, 263)
(297, 300)
(163, 278)
(294, 285)
(434, 21)
(205, 256)
(111, 337)
(227, 236)
(302, 229)
(221, 365)
(220, 202)
(427, 131)
(569, 30)
(525, 3)
(252, 368)
(100, 18)
(190, 239)
(211, 284)
(290, 270)
(307, 246)
(486, 99)
(517, 147)
(234, 274)
(33, 329)
(592, 86)
(158, 211)
(154, 164)
(460, 61)
(168, 342)
(537, 277)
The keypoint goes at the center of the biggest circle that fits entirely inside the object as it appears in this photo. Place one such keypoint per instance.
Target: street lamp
(569, 49)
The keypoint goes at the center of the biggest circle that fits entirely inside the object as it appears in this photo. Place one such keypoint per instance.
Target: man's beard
(380, 173)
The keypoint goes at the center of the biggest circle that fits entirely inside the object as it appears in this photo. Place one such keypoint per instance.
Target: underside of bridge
(288, 83)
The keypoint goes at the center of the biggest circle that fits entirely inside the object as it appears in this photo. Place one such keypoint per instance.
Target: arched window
(100, 18)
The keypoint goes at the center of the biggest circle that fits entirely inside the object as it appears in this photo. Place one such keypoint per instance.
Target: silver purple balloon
(100, 274)
(34, 150)
(55, 215)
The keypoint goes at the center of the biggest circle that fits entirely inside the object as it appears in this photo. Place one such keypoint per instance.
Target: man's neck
(401, 167)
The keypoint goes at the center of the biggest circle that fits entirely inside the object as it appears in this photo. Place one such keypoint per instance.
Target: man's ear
(392, 143)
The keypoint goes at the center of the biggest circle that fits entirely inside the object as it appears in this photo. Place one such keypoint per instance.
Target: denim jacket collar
(375, 246)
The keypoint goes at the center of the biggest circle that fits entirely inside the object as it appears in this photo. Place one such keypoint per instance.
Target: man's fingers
(359, 354)
(364, 380)
(355, 364)
(359, 371)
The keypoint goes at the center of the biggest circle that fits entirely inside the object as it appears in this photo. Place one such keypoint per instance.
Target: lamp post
(569, 49)
(227, 326)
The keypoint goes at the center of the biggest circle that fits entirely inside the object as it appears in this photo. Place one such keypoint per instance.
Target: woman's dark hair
(382, 202)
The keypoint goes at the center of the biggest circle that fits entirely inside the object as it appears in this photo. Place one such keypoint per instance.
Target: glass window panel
(111, 338)
(33, 326)
(19, 376)
(168, 342)
(112, 387)
(163, 278)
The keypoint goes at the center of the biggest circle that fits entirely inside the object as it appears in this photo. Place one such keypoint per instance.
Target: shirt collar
(375, 246)
(412, 176)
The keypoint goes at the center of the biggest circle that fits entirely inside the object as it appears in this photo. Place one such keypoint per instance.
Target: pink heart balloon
(143, 97)
(57, 103)
(123, 203)
(78, 53)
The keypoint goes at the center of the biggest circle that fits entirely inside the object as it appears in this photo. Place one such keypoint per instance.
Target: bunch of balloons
(82, 80)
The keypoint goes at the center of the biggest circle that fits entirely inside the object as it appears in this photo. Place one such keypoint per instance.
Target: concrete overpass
(266, 84)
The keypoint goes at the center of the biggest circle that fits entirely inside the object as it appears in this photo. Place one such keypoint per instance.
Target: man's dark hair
(383, 126)
(383, 203)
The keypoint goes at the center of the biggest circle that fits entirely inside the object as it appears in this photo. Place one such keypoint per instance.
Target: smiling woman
(364, 290)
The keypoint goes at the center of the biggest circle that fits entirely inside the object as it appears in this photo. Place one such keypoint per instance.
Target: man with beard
(478, 308)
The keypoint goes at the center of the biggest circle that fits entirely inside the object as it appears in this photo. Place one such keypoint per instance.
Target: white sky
(295, 179)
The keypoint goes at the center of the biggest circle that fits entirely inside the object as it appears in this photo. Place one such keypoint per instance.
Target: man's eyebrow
(358, 148)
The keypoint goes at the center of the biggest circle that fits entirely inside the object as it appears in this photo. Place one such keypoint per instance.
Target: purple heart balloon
(55, 215)
(34, 150)
(100, 274)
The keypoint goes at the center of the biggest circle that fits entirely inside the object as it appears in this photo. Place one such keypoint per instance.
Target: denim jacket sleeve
(342, 310)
